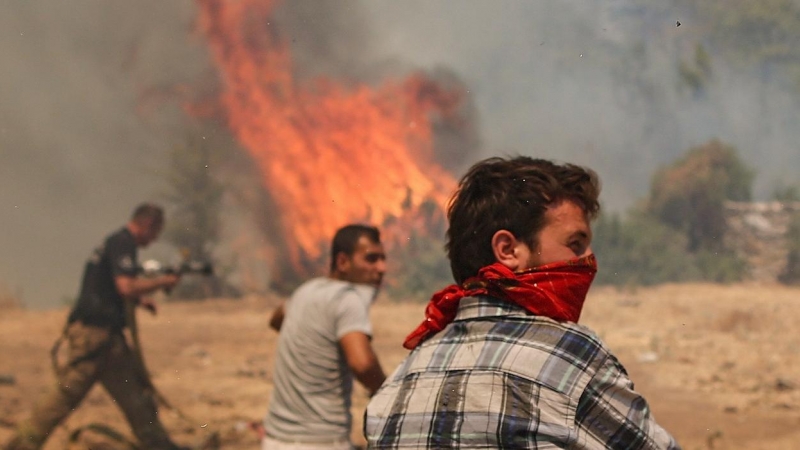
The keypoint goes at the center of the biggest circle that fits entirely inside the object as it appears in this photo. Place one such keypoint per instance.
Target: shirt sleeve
(352, 314)
(614, 416)
(121, 254)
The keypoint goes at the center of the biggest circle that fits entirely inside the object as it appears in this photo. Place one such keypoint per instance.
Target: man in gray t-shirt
(324, 343)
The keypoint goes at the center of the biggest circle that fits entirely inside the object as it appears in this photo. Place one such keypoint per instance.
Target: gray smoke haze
(76, 157)
(588, 82)
(596, 83)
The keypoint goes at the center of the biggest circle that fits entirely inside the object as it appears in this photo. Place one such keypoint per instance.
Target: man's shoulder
(319, 287)
(563, 356)
(560, 355)
(329, 289)
(586, 333)
(503, 318)
(121, 236)
(567, 340)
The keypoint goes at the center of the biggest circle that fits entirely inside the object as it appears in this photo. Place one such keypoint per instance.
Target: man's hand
(276, 320)
(134, 287)
(168, 281)
(148, 304)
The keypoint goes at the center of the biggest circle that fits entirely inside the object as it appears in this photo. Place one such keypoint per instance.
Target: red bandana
(555, 290)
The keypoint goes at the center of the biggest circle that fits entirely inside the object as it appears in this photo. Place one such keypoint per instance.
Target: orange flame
(329, 154)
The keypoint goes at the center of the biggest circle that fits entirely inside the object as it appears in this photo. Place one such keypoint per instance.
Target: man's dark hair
(510, 194)
(148, 211)
(347, 237)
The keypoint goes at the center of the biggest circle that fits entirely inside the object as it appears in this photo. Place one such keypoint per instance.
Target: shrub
(791, 273)
(640, 251)
(419, 268)
(689, 194)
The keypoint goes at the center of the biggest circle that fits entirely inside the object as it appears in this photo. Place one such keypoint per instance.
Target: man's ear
(342, 262)
(507, 250)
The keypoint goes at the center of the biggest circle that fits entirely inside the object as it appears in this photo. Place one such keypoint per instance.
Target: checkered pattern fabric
(498, 377)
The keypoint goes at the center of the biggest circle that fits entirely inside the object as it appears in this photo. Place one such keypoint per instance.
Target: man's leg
(73, 381)
(123, 381)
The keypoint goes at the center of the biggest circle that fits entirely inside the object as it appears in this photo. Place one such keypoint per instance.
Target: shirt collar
(366, 291)
(485, 306)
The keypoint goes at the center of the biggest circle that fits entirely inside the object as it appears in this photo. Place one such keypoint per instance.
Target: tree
(764, 35)
(418, 262)
(639, 250)
(689, 195)
(421, 268)
(791, 273)
(196, 197)
(676, 234)
(697, 74)
(787, 193)
(193, 226)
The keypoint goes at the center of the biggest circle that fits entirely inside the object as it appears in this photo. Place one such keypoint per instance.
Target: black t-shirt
(99, 302)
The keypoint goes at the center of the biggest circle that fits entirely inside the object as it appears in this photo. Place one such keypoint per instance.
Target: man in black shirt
(97, 348)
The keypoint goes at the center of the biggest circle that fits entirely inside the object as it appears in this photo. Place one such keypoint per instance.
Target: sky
(87, 117)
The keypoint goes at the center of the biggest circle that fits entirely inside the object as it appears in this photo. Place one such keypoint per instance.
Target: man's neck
(338, 277)
(134, 230)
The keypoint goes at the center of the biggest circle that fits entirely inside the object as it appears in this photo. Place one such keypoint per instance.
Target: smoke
(76, 157)
(597, 83)
(338, 40)
(84, 129)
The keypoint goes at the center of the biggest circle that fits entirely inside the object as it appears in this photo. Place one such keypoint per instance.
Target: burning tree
(329, 152)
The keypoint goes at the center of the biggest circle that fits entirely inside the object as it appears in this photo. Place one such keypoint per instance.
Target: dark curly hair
(510, 194)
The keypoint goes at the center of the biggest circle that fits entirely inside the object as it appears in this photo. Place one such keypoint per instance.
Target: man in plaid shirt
(500, 361)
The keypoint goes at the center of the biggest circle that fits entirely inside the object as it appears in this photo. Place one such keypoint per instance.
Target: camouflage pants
(95, 354)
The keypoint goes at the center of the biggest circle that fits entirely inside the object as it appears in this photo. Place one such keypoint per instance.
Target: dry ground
(719, 364)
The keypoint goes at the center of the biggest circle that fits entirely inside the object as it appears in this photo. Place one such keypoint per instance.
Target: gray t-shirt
(312, 382)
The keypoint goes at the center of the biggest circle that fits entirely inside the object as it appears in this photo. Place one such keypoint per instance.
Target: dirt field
(719, 365)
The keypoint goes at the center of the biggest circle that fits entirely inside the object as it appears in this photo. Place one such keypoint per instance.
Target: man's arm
(276, 320)
(134, 287)
(121, 252)
(362, 360)
(613, 415)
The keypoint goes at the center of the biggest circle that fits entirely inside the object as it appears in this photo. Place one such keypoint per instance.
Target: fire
(329, 152)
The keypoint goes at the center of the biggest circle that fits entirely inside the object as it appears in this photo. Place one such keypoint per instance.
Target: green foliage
(761, 34)
(678, 234)
(787, 193)
(194, 222)
(420, 268)
(640, 251)
(689, 195)
(721, 266)
(195, 195)
(791, 274)
(696, 74)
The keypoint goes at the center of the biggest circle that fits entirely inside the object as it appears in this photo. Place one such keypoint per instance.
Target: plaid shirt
(498, 377)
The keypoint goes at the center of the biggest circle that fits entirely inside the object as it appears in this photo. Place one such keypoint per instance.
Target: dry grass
(719, 364)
